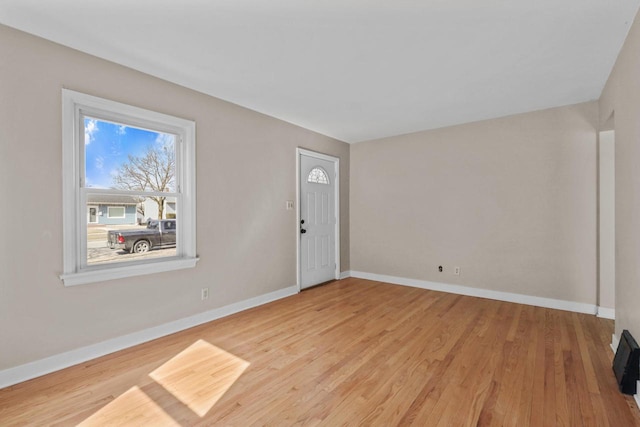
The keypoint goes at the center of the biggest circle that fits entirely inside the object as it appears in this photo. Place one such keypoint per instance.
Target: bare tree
(155, 171)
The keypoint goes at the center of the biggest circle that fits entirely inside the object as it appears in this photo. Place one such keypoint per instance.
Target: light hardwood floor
(353, 352)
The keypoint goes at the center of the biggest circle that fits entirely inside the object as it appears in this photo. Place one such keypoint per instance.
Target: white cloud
(90, 127)
(99, 162)
(165, 140)
(115, 150)
(122, 129)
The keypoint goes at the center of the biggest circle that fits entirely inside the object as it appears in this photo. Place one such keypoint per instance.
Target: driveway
(104, 254)
(98, 252)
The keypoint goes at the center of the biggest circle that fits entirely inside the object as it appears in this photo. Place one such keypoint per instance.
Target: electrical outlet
(456, 271)
(204, 294)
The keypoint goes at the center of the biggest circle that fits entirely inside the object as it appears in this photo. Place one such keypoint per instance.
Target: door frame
(97, 221)
(336, 178)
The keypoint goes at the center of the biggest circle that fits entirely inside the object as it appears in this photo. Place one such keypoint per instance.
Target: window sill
(111, 273)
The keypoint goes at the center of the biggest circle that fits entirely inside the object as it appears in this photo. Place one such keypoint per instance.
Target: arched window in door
(318, 176)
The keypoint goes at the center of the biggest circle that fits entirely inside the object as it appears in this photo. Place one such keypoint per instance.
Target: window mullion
(114, 191)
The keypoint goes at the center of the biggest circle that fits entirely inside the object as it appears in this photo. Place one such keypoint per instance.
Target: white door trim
(89, 215)
(336, 161)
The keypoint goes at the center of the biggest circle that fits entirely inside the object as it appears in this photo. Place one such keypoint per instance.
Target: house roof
(111, 199)
(354, 70)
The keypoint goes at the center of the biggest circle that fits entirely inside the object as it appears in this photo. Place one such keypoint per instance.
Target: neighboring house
(151, 209)
(111, 209)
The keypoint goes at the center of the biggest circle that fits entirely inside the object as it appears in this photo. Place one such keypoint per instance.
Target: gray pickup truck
(158, 234)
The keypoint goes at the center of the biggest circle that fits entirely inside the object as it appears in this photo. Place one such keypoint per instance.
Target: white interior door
(318, 219)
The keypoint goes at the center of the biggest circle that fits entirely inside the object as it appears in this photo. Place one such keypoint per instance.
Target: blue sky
(107, 146)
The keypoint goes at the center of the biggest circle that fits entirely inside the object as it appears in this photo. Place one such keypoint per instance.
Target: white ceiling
(353, 69)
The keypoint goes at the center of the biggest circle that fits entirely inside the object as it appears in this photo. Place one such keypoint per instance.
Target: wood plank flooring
(352, 352)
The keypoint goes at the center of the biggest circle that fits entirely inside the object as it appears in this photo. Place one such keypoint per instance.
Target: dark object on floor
(626, 363)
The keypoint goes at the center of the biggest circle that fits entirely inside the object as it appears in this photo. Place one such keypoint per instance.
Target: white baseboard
(637, 395)
(345, 274)
(614, 343)
(607, 313)
(502, 296)
(41, 367)
(577, 307)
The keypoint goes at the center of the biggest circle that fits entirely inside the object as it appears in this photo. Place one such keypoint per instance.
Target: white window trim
(124, 212)
(74, 105)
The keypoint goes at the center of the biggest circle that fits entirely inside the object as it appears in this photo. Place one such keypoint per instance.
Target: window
(318, 176)
(115, 212)
(137, 166)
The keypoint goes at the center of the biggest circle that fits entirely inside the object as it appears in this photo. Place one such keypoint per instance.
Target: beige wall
(606, 220)
(511, 201)
(245, 173)
(621, 98)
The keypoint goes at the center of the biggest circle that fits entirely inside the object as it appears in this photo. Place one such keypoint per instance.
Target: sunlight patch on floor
(132, 407)
(196, 378)
(200, 375)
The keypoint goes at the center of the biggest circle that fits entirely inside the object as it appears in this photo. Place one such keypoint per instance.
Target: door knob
(302, 231)
(302, 221)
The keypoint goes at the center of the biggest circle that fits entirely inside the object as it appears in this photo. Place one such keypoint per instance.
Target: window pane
(128, 158)
(116, 212)
(318, 176)
(129, 228)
